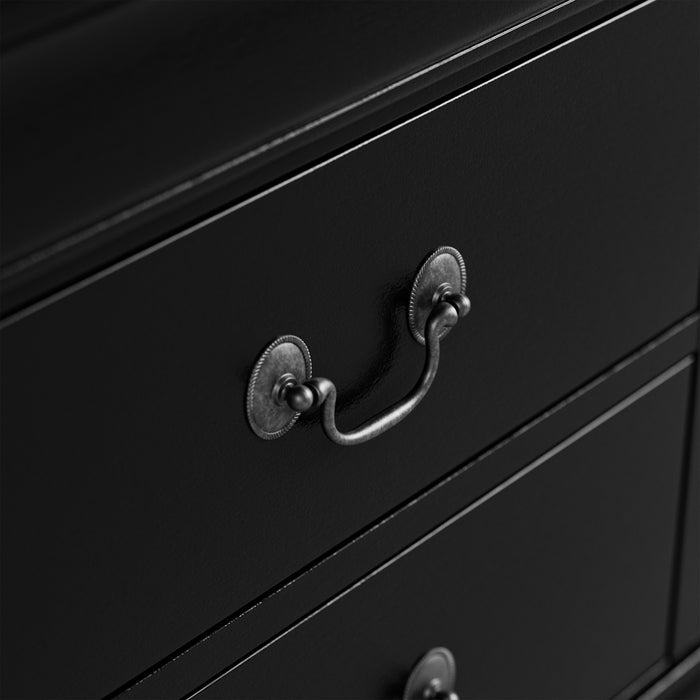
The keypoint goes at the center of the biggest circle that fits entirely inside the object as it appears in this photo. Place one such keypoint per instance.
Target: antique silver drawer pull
(281, 386)
(433, 677)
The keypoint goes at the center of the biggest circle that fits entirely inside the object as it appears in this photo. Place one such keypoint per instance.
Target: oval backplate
(268, 417)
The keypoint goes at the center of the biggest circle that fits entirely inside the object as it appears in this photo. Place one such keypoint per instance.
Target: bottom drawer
(554, 585)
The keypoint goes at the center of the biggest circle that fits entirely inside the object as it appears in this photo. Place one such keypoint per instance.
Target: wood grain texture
(557, 587)
(126, 455)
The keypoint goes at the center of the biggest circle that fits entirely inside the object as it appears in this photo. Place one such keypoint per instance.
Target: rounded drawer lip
(238, 137)
(79, 248)
(572, 266)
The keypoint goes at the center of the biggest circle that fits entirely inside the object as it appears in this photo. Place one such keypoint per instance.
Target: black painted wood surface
(556, 586)
(125, 158)
(261, 621)
(126, 455)
(181, 87)
(26, 22)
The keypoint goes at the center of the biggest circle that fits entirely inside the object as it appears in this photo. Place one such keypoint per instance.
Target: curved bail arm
(319, 391)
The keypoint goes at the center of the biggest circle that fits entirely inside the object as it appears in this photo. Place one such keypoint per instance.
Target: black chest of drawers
(536, 514)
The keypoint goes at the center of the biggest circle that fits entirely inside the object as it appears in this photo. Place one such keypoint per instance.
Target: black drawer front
(139, 509)
(557, 587)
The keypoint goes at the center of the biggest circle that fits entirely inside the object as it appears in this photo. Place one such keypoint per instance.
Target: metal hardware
(441, 275)
(284, 363)
(281, 387)
(433, 677)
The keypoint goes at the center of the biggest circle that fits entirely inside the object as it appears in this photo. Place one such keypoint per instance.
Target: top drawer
(138, 507)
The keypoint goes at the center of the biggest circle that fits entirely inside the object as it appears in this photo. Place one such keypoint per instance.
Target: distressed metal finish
(442, 273)
(442, 316)
(284, 363)
(281, 386)
(433, 677)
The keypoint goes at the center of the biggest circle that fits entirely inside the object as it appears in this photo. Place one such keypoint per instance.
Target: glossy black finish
(126, 453)
(537, 594)
(256, 624)
(137, 144)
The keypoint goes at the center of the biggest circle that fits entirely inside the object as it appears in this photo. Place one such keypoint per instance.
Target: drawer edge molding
(7, 273)
(276, 609)
(610, 413)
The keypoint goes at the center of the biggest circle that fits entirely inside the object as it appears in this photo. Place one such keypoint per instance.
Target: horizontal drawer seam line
(642, 680)
(266, 147)
(560, 447)
(33, 259)
(627, 361)
(672, 676)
